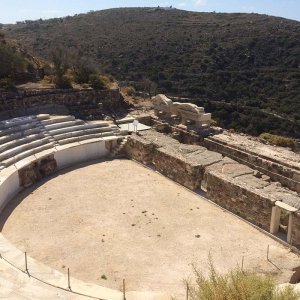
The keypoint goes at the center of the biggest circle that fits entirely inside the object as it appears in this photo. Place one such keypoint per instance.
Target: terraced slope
(242, 67)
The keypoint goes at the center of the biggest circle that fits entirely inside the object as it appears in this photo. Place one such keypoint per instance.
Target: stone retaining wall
(239, 200)
(277, 172)
(296, 230)
(181, 171)
(232, 185)
(83, 104)
(177, 166)
(37, 170)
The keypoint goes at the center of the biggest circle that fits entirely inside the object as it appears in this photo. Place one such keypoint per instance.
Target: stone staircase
(118, 151)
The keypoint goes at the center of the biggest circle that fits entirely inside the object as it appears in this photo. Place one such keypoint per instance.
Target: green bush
(97, 82)
(11, 62)
(278, 140)
(238, 285)
(63, 82)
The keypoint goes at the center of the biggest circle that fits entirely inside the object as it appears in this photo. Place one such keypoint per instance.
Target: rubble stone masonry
(83, 104)
(232, 185)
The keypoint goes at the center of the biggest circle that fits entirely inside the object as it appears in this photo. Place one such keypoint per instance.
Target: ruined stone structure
(262, 189)
(236, 187)
(83, 104)
(186, 114)
(269, 160)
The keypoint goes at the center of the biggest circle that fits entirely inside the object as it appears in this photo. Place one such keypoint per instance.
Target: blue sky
(18, 10)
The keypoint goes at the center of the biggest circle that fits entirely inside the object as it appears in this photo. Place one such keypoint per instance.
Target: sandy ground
(117, 219)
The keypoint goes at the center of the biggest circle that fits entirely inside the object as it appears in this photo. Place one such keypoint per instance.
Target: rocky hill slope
(245, 68)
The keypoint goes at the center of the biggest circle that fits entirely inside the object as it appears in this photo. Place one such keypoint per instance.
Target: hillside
(242, 67)
(16, 64)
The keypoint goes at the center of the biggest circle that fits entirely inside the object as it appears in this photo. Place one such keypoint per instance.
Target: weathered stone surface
(278, 163)
(234, 186)
(186, 114)
(37, 170)
(237, 198)
(182, 163)
(296, 230)
(83, 104)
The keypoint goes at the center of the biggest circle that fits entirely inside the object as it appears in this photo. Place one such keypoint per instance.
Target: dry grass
(278, 140)
(237, 285)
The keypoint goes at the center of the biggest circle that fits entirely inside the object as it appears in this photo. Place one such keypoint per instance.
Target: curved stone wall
(30, 170)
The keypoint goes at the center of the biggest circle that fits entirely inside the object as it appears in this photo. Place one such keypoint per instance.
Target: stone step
(10, 137)
(75, 128)
(58, 119)
(84, 137)
(19, 128)
(99, 123)
(81, 132)
(12, 160)
(20, 141)
(19, 149)
(42, 117)
(15, 122)
(63, 124)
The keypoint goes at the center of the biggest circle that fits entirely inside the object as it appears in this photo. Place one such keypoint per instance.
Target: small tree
(61, 64)
(82, 67)
(150, 87)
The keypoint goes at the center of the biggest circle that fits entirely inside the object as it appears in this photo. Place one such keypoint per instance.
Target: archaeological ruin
(44, 134)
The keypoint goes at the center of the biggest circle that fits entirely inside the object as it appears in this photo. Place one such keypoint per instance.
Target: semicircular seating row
(25, 142)
(29, 139)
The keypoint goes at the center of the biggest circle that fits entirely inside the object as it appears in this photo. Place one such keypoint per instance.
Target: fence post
(187, 291)
(268, 252)
(124, 290)
(243, 264)
(69, 284)
(26, 264)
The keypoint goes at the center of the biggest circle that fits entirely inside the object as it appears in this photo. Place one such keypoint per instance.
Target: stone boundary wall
(83, 104)
(237, 199)
(287, 176)
(228, 183)
(296, 230)
(280, 172)
(166, 162)
(182, 172)
(177, 133)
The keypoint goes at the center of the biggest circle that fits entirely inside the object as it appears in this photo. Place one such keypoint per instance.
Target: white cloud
(200, 2)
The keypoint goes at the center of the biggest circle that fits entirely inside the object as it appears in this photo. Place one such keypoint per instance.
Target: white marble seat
(19, 140)
(65, 124)
(24, 147)
(57, 119)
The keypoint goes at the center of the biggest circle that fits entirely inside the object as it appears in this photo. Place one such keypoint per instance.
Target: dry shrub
(238, 285)
(278, 140)
(99, 82)
(128, 90)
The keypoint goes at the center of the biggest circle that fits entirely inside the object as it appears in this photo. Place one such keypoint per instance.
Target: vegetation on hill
(12, 63)
(244, 68)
